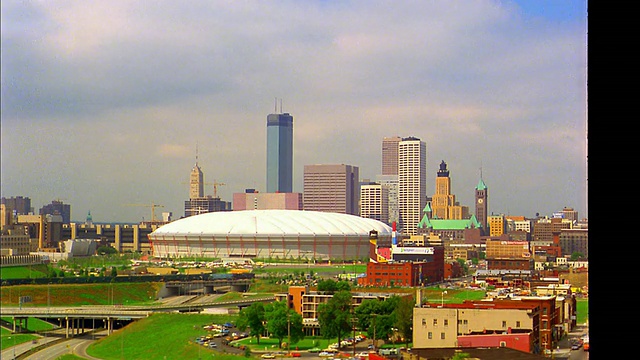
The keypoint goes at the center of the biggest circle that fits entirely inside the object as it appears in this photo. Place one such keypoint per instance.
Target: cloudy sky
(104, 103)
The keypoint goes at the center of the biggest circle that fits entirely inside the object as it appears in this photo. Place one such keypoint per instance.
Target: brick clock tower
(481, 205)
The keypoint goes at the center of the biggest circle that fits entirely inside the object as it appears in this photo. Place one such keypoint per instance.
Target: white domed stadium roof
(273, 222)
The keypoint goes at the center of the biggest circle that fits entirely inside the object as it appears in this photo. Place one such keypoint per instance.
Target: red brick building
(403, 273)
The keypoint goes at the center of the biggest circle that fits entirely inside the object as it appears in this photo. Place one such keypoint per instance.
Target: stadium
(276, 234)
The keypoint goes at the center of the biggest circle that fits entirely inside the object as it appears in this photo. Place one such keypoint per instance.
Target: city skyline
(102, 107)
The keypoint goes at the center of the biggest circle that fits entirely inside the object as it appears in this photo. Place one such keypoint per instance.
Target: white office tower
(412, 181)
(374, 202)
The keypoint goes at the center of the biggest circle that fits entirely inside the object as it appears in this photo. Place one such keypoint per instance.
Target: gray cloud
(103, 102)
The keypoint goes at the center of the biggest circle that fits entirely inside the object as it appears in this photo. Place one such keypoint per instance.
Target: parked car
(294, 354)
(325, 354)
(268, 356)
(314, 350)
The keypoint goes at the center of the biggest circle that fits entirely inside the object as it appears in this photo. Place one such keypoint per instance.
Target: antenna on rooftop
(196, 153)
(280, 106)
(275, 108)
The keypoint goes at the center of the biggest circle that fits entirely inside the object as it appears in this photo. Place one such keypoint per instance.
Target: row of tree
(338, 317)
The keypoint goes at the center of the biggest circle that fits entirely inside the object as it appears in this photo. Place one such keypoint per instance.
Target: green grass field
(81, 294)
(23, 272)
(160, 336)
(34, 324)
(582, 311)
(7, 339)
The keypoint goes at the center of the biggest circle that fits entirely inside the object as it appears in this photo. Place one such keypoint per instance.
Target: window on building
(517, 324)
(503, 343)
(430, 335)
(424, 322)
(504, 324)
(459, 322)
(446, 322)
(435, 322)
(544, 324)
(442, 336)
(544, 311)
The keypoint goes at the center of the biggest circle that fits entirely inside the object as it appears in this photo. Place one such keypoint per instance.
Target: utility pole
(354, 320)
(374, 331)
(288, 332)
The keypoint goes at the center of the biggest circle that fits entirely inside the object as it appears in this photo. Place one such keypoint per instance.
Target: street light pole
(288, 332)
(442, 302)
(354, 320)
(374, 331)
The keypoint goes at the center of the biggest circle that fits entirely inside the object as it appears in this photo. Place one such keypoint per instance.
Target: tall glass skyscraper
(279, 153)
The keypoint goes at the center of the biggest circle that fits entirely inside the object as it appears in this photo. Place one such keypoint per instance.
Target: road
(578, 354)
(58, 345)
(78, 346)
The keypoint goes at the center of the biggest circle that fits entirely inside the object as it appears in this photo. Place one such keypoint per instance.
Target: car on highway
(325, 354)
(294, 354)
(268, 356)
(314, 350)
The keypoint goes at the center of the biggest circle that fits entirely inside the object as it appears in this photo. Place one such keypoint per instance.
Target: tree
(106, 250)
(461, 356)
(343, 286)
(335, 316)
(114, 272)
(463, 264)
(378, 316)
(252, 317)
(576, 256)
(404, 318)
(327, 285)
(283, 322)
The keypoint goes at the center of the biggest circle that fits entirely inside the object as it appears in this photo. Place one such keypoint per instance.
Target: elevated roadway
(74, 316)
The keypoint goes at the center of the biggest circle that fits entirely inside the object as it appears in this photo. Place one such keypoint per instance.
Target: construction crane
(215, 188)
(153, 209)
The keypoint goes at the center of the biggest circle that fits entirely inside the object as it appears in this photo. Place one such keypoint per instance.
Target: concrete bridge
(73, 317)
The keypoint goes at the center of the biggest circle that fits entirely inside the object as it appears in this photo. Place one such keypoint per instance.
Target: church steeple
(89, 220)
(482, 208)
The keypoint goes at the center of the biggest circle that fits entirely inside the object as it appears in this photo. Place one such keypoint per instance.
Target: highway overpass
(73, 316)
